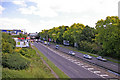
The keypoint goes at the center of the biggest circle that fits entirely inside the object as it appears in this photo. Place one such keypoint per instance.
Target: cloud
(54, 13)
(41, 9)
(52, 8)
(29, 10)
(15, 23)
(20, 3)
(1, 9)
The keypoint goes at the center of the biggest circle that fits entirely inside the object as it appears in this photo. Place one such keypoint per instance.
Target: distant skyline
(36, 15)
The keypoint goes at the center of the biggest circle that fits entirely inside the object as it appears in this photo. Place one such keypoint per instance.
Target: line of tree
(103, 39)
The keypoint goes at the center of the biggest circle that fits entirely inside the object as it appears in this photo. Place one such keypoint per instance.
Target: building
(13, 32)
(21, 42)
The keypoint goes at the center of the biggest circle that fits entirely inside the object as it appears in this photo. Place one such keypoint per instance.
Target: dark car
(56, 47)
(87, 56)
(101, 58)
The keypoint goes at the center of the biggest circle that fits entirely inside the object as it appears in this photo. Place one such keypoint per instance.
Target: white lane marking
(77, 62)
(66, 57)
(69, 59)
(113, 65)
(104, 75)
(81, 64)
(90, 68)
(63, 56)
(96, 72)
(73, 60)
(85, 66)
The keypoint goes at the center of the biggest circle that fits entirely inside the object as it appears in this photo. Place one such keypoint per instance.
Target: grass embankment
(94, 55)
(36, 69)
(54, 68)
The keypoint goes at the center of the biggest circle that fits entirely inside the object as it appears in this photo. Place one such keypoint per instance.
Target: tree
(108, 36)
(8, 44)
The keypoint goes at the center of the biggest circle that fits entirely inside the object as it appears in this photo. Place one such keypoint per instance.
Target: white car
(87, 56)
(71, 53)
(45, 42)
(101, 58)
(56, 47)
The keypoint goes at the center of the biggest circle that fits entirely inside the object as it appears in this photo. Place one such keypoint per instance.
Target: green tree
(108, 36)
(8, 44)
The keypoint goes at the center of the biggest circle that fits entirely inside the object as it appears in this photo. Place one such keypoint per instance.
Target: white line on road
(104, 75)
(90, 68)
(78, 63)
(85, 66)
(96, 72)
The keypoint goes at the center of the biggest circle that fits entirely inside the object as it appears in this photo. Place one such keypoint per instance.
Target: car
(56, 47)
(41, 41)
(45, 42)
(48, 43)
(71, 53)
(101, 58)
(87, 56)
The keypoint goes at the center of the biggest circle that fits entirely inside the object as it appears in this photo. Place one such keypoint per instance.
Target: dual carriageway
(77, 66)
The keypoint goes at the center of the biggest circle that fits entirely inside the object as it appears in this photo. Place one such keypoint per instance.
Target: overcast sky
(36, 15)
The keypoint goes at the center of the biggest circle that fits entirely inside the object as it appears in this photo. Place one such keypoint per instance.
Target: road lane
(108, 64)
(71, 69)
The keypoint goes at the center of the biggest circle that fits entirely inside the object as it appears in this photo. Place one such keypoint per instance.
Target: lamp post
(47, 40)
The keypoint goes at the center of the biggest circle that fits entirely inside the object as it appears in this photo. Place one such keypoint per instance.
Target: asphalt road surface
(69, 68)
(108, 64)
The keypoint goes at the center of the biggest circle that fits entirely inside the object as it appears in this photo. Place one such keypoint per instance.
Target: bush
(8, 44)
(85, 46)
(15, 61)
(27, 52)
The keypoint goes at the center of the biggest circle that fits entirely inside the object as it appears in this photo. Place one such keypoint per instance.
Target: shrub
(15, 61)
(27, 52)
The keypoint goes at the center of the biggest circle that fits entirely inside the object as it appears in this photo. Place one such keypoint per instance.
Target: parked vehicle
(101, 58)
(71, 53)
(57, 46)
(87, 56)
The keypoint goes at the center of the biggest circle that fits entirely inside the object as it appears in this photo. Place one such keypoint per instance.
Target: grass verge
(54, 68)
(36, 69)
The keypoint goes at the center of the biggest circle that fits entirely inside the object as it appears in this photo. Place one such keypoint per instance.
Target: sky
(37, 15)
